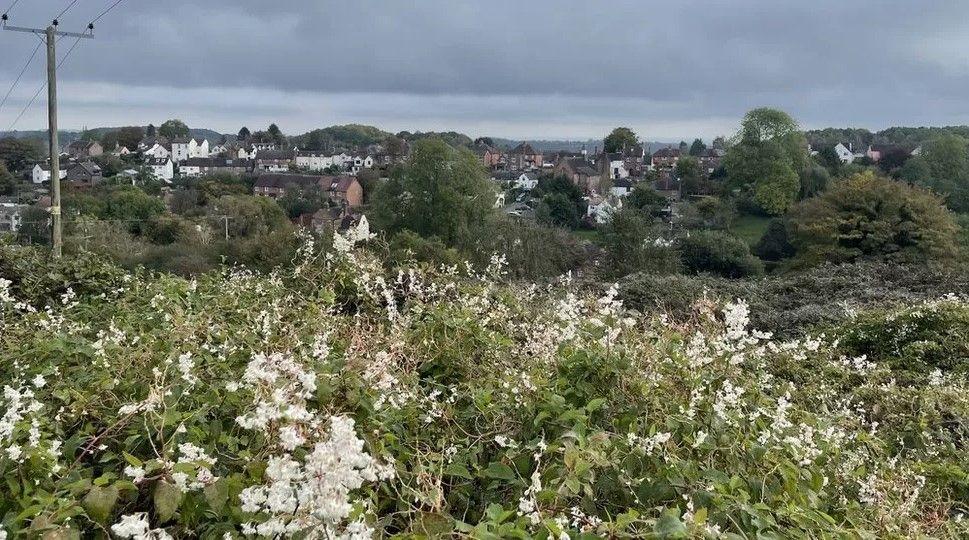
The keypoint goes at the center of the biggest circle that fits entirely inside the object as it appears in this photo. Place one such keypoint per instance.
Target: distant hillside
(552, 145)
(66, 137)
(861, 138)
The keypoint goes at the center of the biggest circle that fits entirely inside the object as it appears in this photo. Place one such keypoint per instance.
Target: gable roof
(88, 167)
(667, 153)
(282, 181)
(340, 183)
(523, 149)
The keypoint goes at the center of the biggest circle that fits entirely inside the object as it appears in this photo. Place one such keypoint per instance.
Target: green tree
(34, 226)
(132, 207)
(7, 181)
(916, 171)
(244, 134)
(697, 148)
(130, 136)
(766, 161)
(690, 174)
(18, 154)
(248, 215)
(632, 244)
(948, 159)
(173, 129)
(620, 138)
(558, 210)
(718, 253)
(276, 135)
(151, 131)
(813, 180)
(872, 217)
(828, 158)
(646, 199)
(440, 191)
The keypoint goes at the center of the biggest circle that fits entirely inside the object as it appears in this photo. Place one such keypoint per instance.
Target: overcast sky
(519, 69)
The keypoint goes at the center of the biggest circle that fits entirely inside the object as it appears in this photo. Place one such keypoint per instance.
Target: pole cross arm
(41, 31)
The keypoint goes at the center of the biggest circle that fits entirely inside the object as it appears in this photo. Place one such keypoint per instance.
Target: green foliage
(7, 180)
(248, 215)
(633, 243)
(766, 161)
(718, 253)
(132, 207)
(407, 248)
(814, 180)
(560, 202)
(793, 304)
(173, 129)
(697, 148)
(871, 217)
(947, 158)
(919, 339)
(776, 244)
(18, 154)
(531, 251)
(690, 174)
(619, 139)
(501, 410)
(34, 226)
(440, 192)
(646, 199)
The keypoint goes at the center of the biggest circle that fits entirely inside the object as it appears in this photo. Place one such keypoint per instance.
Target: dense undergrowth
(336, 398)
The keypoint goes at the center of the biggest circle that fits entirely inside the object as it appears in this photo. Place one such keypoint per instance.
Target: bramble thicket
(337, 398)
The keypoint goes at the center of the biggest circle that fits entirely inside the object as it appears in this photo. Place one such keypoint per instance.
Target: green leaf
(670, 526)
(595, 404)
(167, 498)
(132, 460)
(457, 469)
(99, 502)
(217, 494)
(499, 471)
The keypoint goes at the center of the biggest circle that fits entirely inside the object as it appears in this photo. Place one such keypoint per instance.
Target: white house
(360, 162)
(526, 181)
(617, 167)
(341, 159)
(41, 173)
(11, 216)
(314, 161)
(187, 147)
(621, 187)
(162, 168)
(601, 210)
(216, 149)
(121, 150)
(156, 151)
(846, 153)
(264, 146)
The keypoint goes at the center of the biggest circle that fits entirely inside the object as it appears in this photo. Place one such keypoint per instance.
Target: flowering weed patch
(337, 400)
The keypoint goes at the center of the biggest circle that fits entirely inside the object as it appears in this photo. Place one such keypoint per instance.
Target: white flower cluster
(313, 497)
(280, 386)
(136, 526)
(193, 459)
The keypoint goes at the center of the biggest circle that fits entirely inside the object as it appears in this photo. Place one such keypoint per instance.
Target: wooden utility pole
(50, 36)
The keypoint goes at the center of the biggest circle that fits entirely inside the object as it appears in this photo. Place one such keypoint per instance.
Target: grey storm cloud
(517, 68)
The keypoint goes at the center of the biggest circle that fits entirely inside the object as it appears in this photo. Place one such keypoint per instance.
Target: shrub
(407, 248)
(632, 243)
(870, 217)
(718, 253)
(335, 398)
(775, 244)
(922, 338)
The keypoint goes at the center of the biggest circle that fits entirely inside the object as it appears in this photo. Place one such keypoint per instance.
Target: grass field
(750, 228)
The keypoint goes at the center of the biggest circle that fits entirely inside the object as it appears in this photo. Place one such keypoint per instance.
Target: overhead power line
(20, 75)
(13, 5)
(65, 10)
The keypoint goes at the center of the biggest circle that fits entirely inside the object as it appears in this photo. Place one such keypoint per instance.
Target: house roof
(214, 162)
(278, 155)
(88, 167)
(279, 180)
(81, 145)
(340, 183)
(523, 149)
(667, 153)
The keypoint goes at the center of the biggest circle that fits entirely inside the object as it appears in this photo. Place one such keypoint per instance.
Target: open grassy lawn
(590, 235)
(750, 228)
